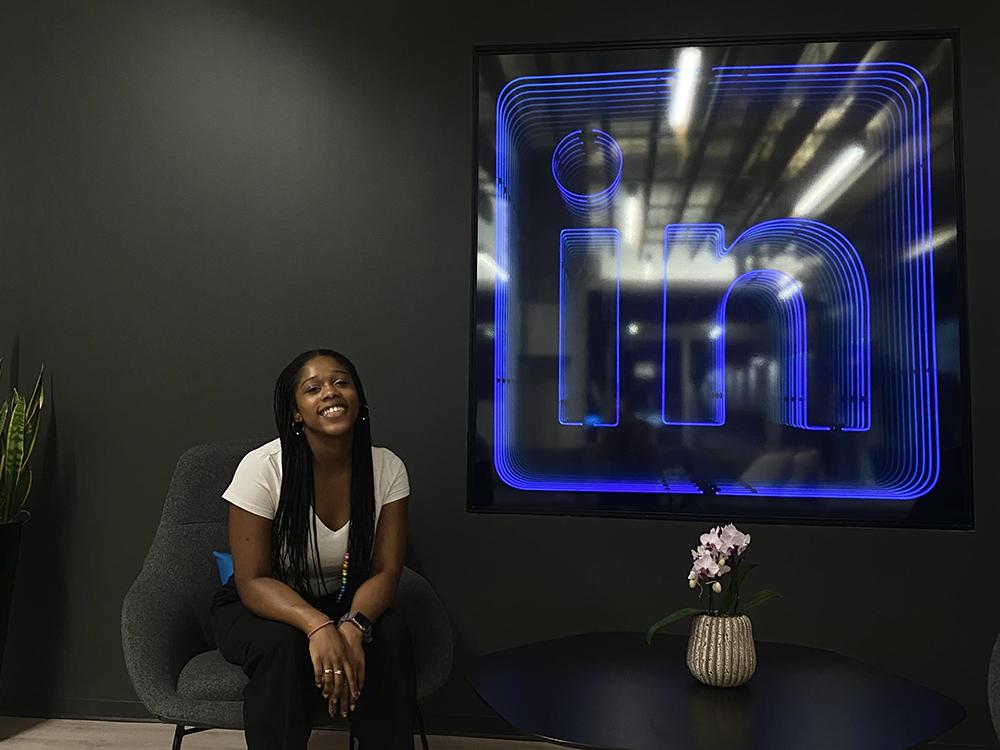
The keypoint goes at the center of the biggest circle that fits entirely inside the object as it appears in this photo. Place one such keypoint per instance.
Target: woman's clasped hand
(338, 660)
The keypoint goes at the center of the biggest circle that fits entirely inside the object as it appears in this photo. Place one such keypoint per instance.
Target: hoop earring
(299, 431)
(364, 414)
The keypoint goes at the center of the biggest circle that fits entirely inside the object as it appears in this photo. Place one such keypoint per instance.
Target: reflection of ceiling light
(714, 332)
(836, 174)
(939, 239)
(830, 119)
(492, 270)
(682, 91)
(632, 329)
(702, 267)
(644, 370)
(632, 220)
(789, 290)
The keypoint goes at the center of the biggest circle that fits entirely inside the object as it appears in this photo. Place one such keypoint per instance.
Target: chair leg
(423, 733)
(181, 732)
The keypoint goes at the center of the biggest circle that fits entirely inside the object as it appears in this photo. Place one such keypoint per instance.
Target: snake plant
(17, 441)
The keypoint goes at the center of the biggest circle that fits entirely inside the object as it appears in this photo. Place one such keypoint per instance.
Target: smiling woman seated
(317, 529)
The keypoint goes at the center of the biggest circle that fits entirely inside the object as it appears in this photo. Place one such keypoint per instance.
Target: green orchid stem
(735, 573)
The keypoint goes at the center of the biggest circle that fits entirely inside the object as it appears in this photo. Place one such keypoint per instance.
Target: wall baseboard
(123, 710)
(439, 724)
(75, 708)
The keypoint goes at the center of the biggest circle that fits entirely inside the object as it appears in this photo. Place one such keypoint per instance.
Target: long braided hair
(296, 514)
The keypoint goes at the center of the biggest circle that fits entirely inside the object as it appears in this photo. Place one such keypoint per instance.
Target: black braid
(296, 505)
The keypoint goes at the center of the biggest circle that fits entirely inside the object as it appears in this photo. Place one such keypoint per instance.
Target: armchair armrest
(430, 627)
(159, 634)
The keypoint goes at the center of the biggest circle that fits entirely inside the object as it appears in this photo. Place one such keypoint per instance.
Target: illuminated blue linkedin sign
(717, 285)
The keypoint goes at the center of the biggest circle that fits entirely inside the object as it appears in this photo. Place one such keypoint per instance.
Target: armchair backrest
(195, 521)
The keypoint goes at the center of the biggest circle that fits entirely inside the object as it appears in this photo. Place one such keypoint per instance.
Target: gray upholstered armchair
(176, 669)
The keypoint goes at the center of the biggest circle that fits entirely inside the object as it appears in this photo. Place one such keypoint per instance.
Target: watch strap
(359, 621)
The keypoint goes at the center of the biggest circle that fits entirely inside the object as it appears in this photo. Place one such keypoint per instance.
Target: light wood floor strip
(59, 734)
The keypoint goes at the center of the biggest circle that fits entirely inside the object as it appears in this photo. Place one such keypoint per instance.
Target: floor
(56, 734)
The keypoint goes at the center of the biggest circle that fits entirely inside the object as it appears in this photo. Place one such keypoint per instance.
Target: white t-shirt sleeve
(398, 481)
(255, 486)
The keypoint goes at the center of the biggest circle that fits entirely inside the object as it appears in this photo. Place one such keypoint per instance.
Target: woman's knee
(392, 622)
(277, 640)
(392, 632)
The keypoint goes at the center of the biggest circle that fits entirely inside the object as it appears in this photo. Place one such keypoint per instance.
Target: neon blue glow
(574, 243)
(839, 265)
(546, 107)
(913, 456)
(569, 160)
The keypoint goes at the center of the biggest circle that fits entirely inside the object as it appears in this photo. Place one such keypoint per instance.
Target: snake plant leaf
(30, 432)
(14, 449)
(4, 413)
(672, 617)
(759, 598)
(21, 494)
(19, 418)
(37, 395)
(3, 453)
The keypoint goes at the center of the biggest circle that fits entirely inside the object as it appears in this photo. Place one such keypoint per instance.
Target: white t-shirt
(256, 487)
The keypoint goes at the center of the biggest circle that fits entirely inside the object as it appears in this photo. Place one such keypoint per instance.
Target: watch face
(362, 620)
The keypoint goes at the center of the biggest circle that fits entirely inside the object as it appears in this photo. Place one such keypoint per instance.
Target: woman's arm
(374, 596)
(260, 592)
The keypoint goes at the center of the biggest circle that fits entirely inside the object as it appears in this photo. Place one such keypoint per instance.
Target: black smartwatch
(359, 621)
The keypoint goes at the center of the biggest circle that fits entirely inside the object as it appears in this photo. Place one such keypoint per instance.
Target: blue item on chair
(224, 561)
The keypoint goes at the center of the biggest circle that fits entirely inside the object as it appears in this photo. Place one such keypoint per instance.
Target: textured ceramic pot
(721, 651)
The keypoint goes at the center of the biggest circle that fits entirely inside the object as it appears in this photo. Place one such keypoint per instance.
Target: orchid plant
(718, 568)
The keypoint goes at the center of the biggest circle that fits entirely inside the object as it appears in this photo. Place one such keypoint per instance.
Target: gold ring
(338, 671)
(327, 671)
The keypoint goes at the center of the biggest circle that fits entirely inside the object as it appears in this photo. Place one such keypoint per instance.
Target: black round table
(611, 690)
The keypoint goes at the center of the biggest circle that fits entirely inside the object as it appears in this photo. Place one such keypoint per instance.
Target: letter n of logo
(811, 281)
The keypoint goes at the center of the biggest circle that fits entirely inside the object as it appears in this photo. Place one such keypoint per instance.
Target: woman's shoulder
(267, 455)
(265, 451)
(384, 457)
(391, 479)
(256, 483)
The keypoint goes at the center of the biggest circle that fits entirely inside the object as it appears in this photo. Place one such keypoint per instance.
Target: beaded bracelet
(314, 630)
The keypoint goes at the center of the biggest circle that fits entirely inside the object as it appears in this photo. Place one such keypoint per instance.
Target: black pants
(281, 703)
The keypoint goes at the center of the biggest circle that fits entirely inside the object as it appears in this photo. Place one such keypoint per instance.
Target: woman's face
(326, 397)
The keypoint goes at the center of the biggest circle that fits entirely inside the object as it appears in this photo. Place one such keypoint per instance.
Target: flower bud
(692, 583)
(717, 587)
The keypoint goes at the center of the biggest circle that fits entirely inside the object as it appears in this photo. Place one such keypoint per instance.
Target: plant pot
(721, 651)
(10, 545)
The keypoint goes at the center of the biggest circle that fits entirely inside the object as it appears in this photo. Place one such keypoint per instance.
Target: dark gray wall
(192, 193)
